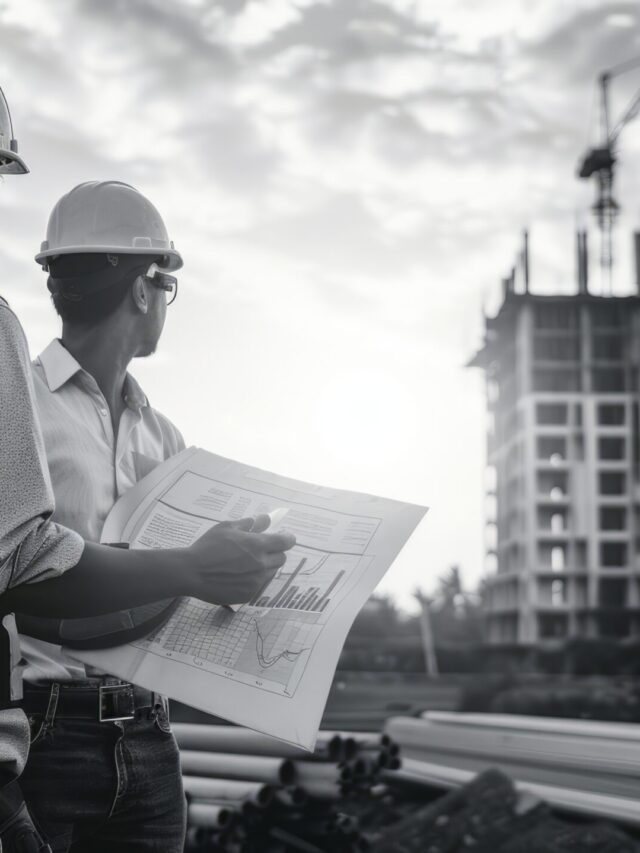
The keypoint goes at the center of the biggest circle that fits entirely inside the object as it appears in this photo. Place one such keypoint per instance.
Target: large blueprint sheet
(269, 664)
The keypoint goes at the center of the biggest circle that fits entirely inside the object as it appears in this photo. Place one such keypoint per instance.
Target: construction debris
(488, 816)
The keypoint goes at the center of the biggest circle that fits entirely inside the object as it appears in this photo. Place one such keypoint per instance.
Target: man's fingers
(273, 562)
(275, 541)
(281, 541)
(260, 523)
(245, 524)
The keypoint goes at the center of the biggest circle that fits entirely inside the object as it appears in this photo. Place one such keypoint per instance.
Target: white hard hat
(107, 217)
(10, 161)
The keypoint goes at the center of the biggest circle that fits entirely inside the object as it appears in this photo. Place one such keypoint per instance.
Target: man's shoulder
(7, 317)
(170, 432)
(10, 327)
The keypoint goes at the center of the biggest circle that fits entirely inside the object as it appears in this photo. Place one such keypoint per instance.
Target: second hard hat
(109, 217)
(10, 161)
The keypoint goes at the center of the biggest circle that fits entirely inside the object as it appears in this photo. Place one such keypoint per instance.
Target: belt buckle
(116, 702)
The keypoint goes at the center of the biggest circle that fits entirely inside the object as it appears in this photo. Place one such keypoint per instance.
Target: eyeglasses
(168, 283)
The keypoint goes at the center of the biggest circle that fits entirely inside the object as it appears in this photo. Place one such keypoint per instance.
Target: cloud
(350, 30)
(586, 42)
(231, 152)
(181, 39)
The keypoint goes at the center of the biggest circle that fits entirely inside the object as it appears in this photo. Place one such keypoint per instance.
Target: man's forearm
(104, 580)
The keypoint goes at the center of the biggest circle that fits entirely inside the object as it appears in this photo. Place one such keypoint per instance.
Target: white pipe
(233, 791)
(209, 816)
(251, 768)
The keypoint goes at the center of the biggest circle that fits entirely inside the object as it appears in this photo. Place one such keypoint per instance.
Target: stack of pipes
(254, 794)
(247, 791)
(580, 766)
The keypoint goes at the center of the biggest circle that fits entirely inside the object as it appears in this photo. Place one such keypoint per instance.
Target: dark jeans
(96, 787)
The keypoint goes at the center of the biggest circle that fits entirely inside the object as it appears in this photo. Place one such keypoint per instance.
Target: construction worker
(81, 579)
(16, 826)
(110, 271)
(47, 569)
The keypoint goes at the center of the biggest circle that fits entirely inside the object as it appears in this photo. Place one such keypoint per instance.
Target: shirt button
(103, 412)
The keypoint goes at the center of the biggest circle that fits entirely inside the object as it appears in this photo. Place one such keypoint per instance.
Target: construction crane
(600, 162)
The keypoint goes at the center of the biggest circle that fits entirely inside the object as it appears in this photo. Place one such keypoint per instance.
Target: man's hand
(233, 560)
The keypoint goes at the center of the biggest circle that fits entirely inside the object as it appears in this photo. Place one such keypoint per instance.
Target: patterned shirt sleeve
(32, 548)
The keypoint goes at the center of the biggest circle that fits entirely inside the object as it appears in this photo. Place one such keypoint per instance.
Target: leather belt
(107, 703)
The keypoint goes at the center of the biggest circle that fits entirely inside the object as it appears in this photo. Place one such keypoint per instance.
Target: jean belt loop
(52, 707)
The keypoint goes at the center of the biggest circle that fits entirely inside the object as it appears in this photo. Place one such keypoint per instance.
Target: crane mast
(600, 163)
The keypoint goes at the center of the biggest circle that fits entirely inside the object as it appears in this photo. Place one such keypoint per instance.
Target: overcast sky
(347, 182)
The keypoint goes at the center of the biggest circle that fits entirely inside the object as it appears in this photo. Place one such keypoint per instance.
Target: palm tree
(428, 646)
(450, 601)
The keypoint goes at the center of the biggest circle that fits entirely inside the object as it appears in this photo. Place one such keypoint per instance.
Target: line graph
(265, 662)
(279, 646)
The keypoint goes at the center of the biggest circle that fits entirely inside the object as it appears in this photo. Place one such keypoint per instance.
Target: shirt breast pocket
(143, 464)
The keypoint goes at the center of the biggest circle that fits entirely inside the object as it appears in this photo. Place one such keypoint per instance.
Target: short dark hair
(87, 288)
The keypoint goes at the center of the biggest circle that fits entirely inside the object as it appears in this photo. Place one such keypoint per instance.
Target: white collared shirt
(90, 465)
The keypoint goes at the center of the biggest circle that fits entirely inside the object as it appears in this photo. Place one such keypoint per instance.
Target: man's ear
(139, 295)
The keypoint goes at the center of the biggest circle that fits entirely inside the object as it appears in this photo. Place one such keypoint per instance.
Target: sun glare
(364, 417)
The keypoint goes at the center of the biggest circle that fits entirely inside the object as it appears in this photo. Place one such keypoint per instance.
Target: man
(109, 261)
(48, 570)
(58, 549)
(14, 731)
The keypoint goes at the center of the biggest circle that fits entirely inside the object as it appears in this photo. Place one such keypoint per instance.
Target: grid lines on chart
(217, 636)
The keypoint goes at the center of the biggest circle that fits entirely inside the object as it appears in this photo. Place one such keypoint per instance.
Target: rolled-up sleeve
(32, 548)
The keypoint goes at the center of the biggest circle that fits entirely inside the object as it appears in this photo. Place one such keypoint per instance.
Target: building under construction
(563, 490)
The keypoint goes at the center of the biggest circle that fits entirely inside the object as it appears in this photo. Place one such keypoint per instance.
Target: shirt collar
(60, 366)
(133, 395)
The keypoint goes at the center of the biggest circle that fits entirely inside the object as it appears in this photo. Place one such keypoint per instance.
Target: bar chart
(306, 582)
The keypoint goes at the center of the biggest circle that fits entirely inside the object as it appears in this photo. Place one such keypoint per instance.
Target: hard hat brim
(15, 165)
(174, 258)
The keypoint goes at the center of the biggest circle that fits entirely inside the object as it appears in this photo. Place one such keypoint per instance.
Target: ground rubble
(488, 815)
